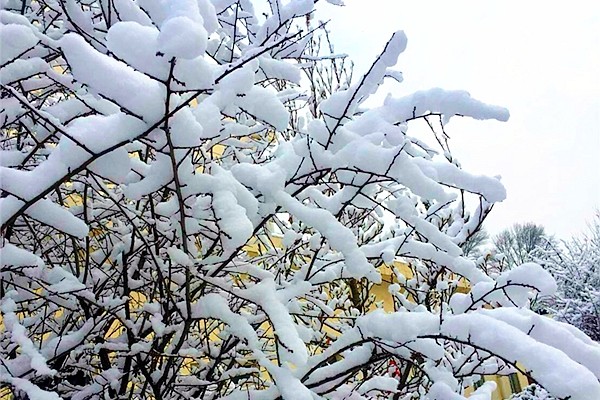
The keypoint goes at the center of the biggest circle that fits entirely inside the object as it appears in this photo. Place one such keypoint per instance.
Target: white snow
(181, 37)
(98, 71)
(133, 220)
(11, 255)
(15, 40)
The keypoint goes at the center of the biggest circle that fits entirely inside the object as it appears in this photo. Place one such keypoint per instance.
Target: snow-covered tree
(576, 267)
(169, 233)
(521, 243)
(473, 246)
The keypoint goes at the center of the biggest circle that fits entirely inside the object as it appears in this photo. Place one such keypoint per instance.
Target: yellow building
(506, 385)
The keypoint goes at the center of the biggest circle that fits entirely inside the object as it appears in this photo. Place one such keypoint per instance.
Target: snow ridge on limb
(482, 330)
(342, 105)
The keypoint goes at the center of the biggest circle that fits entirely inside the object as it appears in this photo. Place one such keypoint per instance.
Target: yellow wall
(380, 292)
(503, 390)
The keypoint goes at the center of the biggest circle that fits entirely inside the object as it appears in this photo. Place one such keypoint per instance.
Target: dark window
(479, 383)
(515, 385)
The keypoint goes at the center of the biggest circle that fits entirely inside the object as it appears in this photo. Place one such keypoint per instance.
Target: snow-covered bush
(575, 265)
(532, 392)
(169, 233)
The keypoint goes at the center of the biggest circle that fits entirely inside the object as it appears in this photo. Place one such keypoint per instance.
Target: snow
(137, 45)
(538, 358)
(15, 40)
(441, 391)
(21, 69)
(265, 106)
(58, 217)
(382, 383)
(214, 306)
(532, 392)
(266, 297)
(240, 81)
(228, 229)
(14, 256)
(339, 236)
(343, 104)
(195, 74)
(208, 13)
(185, 130)
(158, 175)
(436, 100)
(484, 392)
(20, 338)
(352, 358)
(273, 68)
(233, 218)
(181, 37)
(98, 133)
(33, 392)
(24, 185)
(179, 257)
(238, 90)
(114, 165)
(487, 332)
(78, 17)
(491, 188)
(513, 288)
(98, 71)
(557, 335)
(182, 33)
(293, 8)
(130, 11)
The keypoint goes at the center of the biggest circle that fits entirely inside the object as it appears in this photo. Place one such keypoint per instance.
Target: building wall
(505, 388)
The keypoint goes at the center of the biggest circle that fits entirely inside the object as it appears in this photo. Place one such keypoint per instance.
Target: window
(515, 385)
(479, 383)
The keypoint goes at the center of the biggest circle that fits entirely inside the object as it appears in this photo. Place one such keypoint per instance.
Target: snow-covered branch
(182, 218)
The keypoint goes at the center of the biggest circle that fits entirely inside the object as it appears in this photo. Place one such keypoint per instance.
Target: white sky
(540, 59)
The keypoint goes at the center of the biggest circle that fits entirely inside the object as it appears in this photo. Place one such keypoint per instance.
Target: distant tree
(518, 243)
(576, 267)
(472, 247)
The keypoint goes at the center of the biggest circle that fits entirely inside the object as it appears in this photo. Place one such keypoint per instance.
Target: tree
(519, 243)
(472, 246)
(170, 232)
(576, 267)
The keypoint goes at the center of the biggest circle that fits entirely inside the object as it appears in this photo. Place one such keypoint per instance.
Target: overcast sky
(540, 59)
